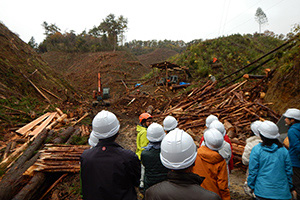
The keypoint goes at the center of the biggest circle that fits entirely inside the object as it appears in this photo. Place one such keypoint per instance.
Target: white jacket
(250, 143)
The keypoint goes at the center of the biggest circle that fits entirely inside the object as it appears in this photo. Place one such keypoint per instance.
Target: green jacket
(141, 140)
(155, 172)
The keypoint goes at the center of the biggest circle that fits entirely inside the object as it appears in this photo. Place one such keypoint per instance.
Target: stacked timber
(23, 160)
(58, 158)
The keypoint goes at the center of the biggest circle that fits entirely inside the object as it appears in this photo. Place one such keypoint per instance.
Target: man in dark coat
(107, 170)
(178, 153)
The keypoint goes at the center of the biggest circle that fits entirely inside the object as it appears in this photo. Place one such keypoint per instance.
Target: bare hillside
(82, 69)
(158, 55)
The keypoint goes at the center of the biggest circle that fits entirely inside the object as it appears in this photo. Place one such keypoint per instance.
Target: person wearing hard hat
(250, 143)
(210, 119)
(210, 164)
(142, 141)
(225, 152)
(270, 167)
(107, 170)
(170, 123)
(155, 172)
(141, 138)
(178, 153)
(292, 120)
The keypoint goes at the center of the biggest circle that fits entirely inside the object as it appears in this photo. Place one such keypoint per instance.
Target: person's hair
(296, 121)
(269, 142)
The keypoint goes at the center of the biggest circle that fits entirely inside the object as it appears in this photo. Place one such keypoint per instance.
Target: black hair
(296, 121)
(269, 142)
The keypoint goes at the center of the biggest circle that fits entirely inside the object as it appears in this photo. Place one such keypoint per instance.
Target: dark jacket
(180, 186)
(155, 172)
(109, 172)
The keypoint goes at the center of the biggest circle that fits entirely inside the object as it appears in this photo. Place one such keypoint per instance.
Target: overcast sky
(157, 19)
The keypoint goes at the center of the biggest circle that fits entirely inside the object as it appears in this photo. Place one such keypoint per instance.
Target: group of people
(168, 165)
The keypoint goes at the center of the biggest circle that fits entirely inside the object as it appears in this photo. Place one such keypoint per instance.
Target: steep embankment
(81, 69)
(24, 76)
(284, 87)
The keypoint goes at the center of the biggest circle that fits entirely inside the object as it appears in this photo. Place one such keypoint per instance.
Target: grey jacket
(180, 186)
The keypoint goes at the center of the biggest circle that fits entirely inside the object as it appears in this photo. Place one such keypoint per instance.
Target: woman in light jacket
(270, 167)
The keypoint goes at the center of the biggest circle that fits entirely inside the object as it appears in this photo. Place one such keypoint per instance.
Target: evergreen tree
(260, 17)
(32, 43)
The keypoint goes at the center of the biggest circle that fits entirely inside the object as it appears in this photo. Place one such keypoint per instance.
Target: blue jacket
(270, 172)
(294, 140)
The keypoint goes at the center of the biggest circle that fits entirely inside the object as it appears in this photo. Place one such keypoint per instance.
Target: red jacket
(226, 138)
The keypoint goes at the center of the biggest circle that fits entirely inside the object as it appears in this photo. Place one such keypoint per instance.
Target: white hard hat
(210, 119)
(213, 139)
(93, 141)
(105, 124)
(178, 150)
(219, 126)
(155, 132)
(293, 113)
(254, 126)
(269, 129)
(170, 123)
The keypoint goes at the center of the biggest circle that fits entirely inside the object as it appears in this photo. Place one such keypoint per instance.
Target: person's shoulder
(126, 152)
(87, 151)
(295, 129)
(256, 148)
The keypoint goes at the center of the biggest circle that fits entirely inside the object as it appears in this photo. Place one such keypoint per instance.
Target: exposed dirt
(158, 55)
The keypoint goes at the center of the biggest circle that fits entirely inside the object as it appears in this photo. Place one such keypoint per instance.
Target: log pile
(58, 158)
(20, 161)
(229, 104)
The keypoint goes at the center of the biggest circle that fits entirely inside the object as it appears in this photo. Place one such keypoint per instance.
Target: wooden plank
(43, 125)
(29, 126)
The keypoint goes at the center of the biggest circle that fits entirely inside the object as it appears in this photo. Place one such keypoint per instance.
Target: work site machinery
(101, 96)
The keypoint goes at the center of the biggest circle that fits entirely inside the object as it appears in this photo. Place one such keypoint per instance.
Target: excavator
(101, 96)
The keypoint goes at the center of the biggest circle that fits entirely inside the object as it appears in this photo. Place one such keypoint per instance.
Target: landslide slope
(81, 69)
(23, 73)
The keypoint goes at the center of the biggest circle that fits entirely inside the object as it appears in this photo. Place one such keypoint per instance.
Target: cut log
(7, 149)
(13, 156)
(75, 134)
(31, 188)
(53, 124)
(64, 136)
(29, 126)
(58, 158)
(13, 180)
(43, 125)
(51, 93)
(13, 177)
(230, 129)
(53, 185)
(59, 111)
(85, 115)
